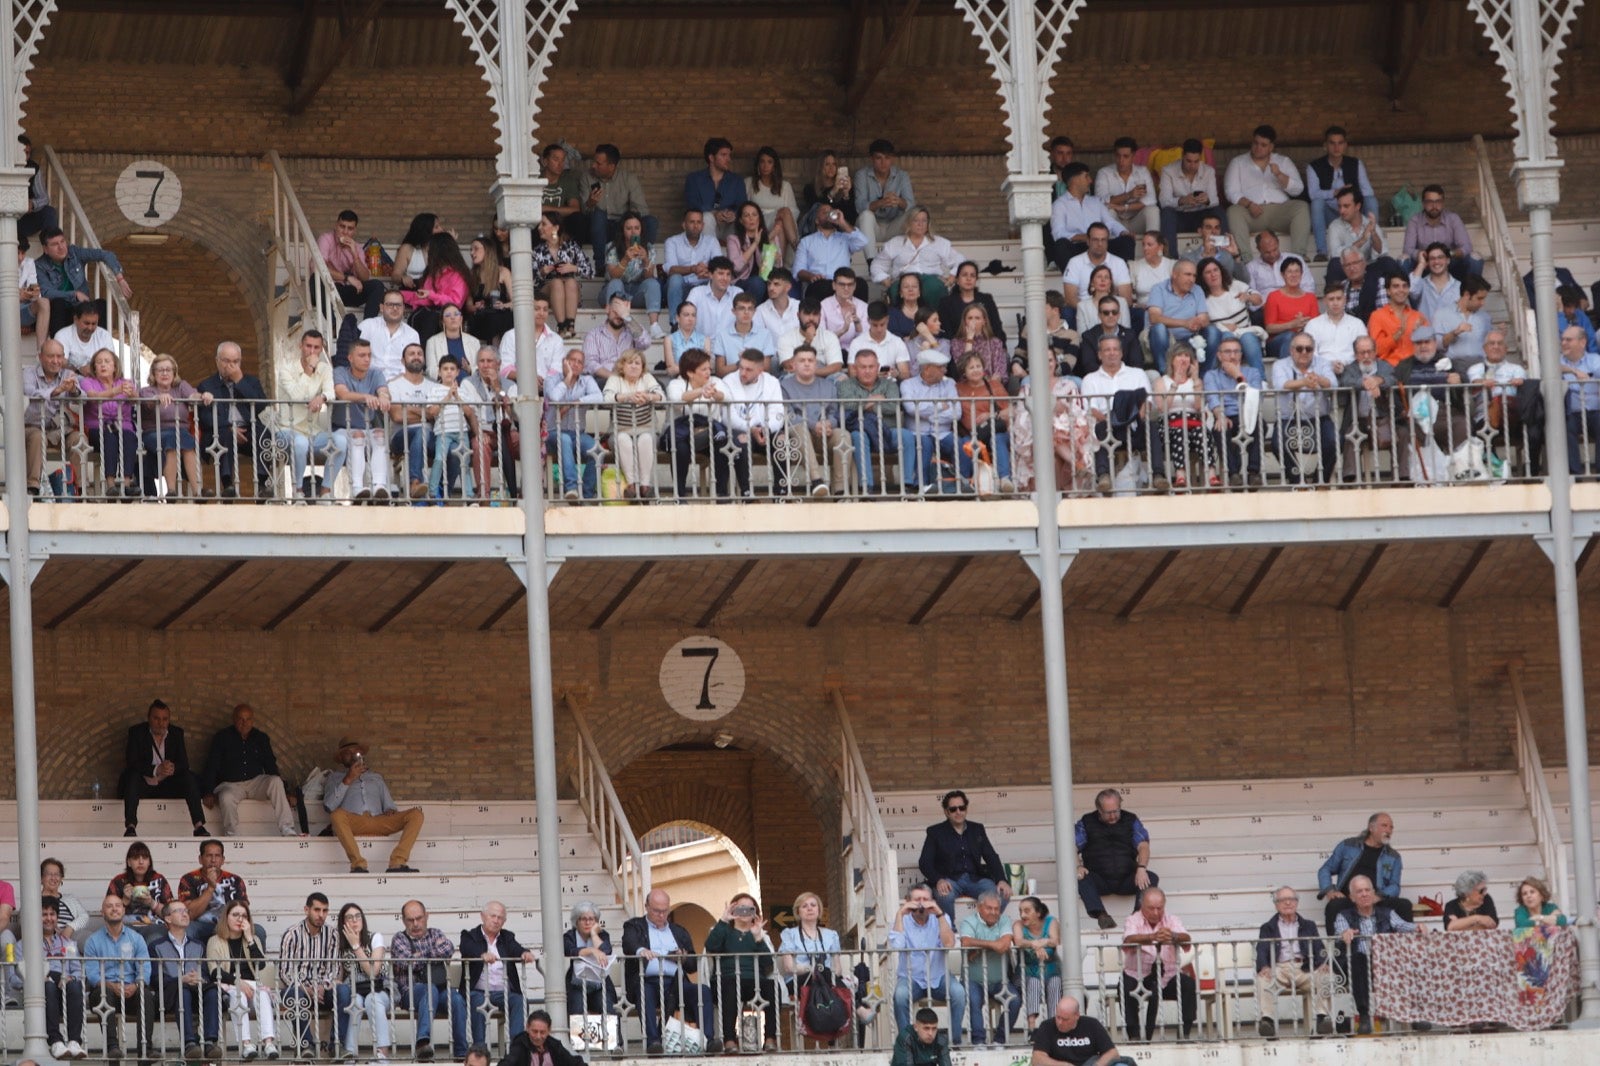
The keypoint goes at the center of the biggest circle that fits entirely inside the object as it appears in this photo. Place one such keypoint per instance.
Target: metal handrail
(122, 321)
(1498, 232)
(869, 838)
(295, 244)
(619, 846)
(1541, 808)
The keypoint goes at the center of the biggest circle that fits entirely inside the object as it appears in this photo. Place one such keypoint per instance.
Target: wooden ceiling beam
(1467, 571)
(95, 593)
(1147, 585)
(1255, 581)
(862, 84)
(308, 90)
(300, 54)
(948, 580)
(622, 595)
(848, 572)
(305, 597)
(1362, 577)
(210, 586)
(740, 576)
(411, 597)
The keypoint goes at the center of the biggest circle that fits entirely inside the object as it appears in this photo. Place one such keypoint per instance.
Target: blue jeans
(978, 999)
(867, 442)
(574, 449)
(1325, 209)
(510, 1002)
(302, 446)
(923, 449)
(960, 886)
(187, 1001)
(952, 991)
(1162, 337)
(425, 1001)
(415, 442)
(602, 229)
(678, 286)
(647, 289)
(297, 1000)
(452, 458)
(999, 445)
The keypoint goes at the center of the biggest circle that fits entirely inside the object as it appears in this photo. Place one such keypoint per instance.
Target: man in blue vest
(1113, 856)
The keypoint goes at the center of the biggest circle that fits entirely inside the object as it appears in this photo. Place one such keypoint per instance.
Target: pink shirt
(340, 260)
(446, 289)
(1139, 959)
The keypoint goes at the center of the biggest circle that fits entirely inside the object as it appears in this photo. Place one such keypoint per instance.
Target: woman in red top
(985, 421)
(1288, 309)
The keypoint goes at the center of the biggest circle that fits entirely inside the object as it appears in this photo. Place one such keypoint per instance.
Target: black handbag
(824, 1006)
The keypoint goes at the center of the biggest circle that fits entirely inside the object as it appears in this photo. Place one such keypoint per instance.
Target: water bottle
(94, 790)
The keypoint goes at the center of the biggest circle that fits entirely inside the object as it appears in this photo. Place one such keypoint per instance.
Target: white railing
(122, 321)
(874, 898)
(1498, 233)
(1541, 809)
(304, 272)
(619, 847)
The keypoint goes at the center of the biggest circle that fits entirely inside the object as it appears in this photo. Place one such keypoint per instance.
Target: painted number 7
(705, 703)
(159, 176)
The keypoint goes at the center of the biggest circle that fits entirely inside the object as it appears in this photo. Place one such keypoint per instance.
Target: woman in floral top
(558, 263)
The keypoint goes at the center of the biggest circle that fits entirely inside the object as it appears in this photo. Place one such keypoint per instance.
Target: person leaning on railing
(871, 410)
(587, 944)
(1305, 385)
(49, 387)
(1037, 934)
(743, 975)
(1580, 370)
(300, 419)
(490, 974)
(498, 437)
(1363, 918)
(108, 422)
(1370, 414)
(1151, 972)
(1473, 907)
(988, 940)
(359, 437)
(1534, 906)
(169, 426)
(231, 426)
(635, 396)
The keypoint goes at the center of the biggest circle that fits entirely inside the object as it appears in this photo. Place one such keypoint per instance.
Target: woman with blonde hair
(236, 964)
(633, 395)
(169, 425)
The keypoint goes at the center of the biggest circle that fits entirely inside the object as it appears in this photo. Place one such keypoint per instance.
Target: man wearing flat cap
(359, 804)
(928, 432)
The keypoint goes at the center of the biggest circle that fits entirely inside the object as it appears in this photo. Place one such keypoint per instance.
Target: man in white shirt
(780, 313)
(1075, 279)
(1188, 194)
(713, 303)
(1074, 211)
(1121, 418)
(1305, 410)
(843, 313)
(1264, 272)
(1261, 186)
(1497, 405)
(1335, 332)
(755, 418)
(414, 401)
(687, 259)
(1127, 188)
(85, 336)
(548, 347)
(1352, 229)
(389, 336)
(893, 358)
(830, 354)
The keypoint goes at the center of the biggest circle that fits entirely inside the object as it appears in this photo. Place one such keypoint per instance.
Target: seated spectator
(84, 335)
(562, 198)
(63, 272)
(120, 991)
(1128, 190)
(1448, 422)
(1180, 427)
(808, 947)
(1229, 303)
(1580, 369)
(716, 192)
(1075, 279)
(1459, 328)
(686, 337)
(1036, 935)
(548, 347)
(883, 197)
(830, 190)
(697, 428)
(634, 395)
(754, 251)
(1564, 278)
(309, 976)
(1334, 331)
(358, 435)
(614, 192)
(301, 415)
(558, 263)
(974, 337)
(927, 435)
(1497, 407)
(659, 960)
(958, 859)
(1305, 410)
(241, 766)
(1178, 312)
(1291, 959)
(156, 763)
(904, 301)
(1101, 285)
(41, 214)
(1237, 440)
(1113, 845)
(985, 418)
(1395, 326)
(987, 938)
(362, 970)
(452, 339)
(390, 336)
(1187, 195)
(844, 314)
(1289, 308)
(347, 262)
(35, 308)
(603, 343)
(420, 958)
(745, 978)
(918, 251)
(72, 914)
(588, 945)
(1074, 212)
(1434, 225)
(1369, 412)
(921, 928)
(1473, 907)
(63, 987)
(1108, 310)
(566, 434)
(688, 258)
(1534, 906)
(871, 412)
(1570, 299)
(953, 307)
(108, 423)
(413, 405)
(929, 334)
(207, 889)
(443, 284)
(1361, 918)
(1070, 1036)
(1366, 855)
(169, 420)
(490, 974)
(1261, 187)
(144, 892)
(1362, 286)
(534, 1045)
(715, 301)
(741, 335)
(359, 804)
(1265, 271)
(1115, 398)
(411, 258)
(780, 312)
(238, 971)
(1326, 178)
(894, 359)
(1434, 288)
(755, 414)
(179, 972)
(1151, 973)
(632, 275)
(1062, 340)
(489, 303)
(813, 425)
(774, 197)
(1061, 151)
(1151, 268)
(825, 252)
(1215, 244)
(1352, 230)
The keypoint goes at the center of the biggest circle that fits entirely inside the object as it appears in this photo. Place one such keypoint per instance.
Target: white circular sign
(149, 193)
(702, 678)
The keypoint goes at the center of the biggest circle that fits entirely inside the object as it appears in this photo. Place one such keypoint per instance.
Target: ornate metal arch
(28, 21)
(1025, 93)
(1529, 66)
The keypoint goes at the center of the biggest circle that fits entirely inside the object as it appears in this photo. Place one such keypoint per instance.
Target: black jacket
(139, 754)
(1312, 953)
(1089, 346)
(946, 853)
(521, 1052)
(636, 938)
(236, 758)
(951, 307)
(220, 413)
(473, 946)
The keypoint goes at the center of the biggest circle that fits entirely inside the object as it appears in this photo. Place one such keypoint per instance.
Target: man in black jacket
(658, 962)
(241, 766)
(1113, 856)
(532, 1046)
(156, 763)
(233, 418)
(1290, 957)
(1106, 324)
(490, 954)
(958, 860)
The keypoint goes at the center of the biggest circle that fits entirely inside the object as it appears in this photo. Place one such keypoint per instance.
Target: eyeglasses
(1110, 311)
(953, 810)
(1302, 348)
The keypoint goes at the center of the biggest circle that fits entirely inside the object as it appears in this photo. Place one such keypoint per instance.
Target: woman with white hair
(1473, 908)
(588, 945)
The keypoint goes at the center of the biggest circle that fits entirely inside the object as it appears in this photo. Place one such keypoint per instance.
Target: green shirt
(984, 967)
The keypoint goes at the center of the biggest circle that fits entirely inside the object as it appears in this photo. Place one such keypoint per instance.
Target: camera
(744, 910)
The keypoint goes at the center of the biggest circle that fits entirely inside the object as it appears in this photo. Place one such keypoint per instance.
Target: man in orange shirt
(1393, 324)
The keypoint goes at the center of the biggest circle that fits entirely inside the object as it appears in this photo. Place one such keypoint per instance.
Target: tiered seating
(1557, 781)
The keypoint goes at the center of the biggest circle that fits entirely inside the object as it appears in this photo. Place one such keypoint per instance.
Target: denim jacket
(1332, 873)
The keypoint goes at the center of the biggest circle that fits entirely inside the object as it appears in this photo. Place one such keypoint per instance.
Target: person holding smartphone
(740, 937)
(359, 803)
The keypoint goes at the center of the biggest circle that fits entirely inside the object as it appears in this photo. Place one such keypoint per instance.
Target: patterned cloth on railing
(1523, 979)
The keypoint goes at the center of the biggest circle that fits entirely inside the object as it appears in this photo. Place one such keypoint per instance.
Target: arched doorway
(701, 869)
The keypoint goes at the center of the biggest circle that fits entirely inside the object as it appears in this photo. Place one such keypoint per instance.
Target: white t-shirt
(1336, 341)
(27, 273)
(1079, 268)
(427, 391)
(387, 348)
(776, 322)
(891, 351)
(79, 352)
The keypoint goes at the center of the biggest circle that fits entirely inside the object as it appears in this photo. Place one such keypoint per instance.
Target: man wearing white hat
(931, 409)
(359, 803)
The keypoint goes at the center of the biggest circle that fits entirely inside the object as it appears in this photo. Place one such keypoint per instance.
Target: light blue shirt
(1468, 344)
(929, 408)
(1305, 403)
(1069, 217)
(1216, 382)
(680, 253)
(1429, 300)
(922, 968)
(730, 342)
(662, 943)
(809, 951)
(682, 342)
(823, 253)
(569, 419)
(869, 188)
(1174, 305)
(129, 947)
(1582, 395)
(369, 795)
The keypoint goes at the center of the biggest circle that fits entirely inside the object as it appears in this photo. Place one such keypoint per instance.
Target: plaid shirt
(310, 959)
(433, 945)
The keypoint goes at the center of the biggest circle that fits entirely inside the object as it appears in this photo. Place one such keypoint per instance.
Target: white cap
(932, 357)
